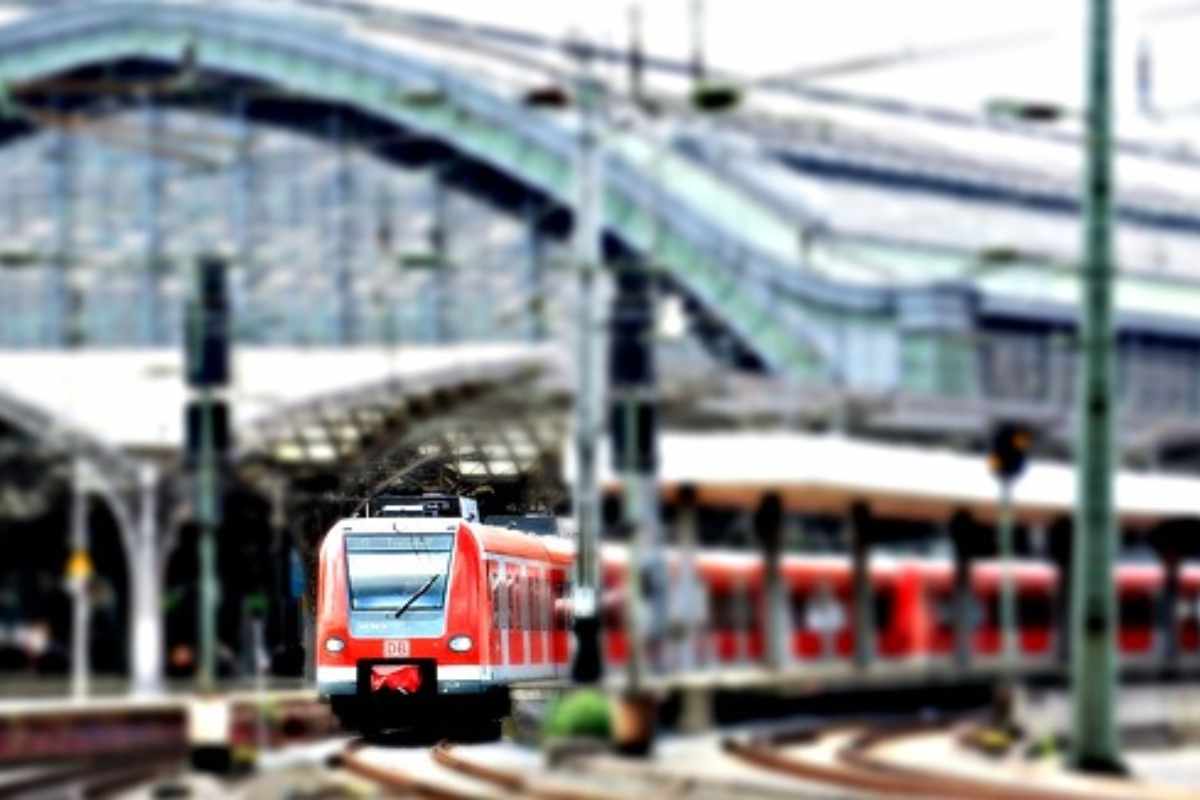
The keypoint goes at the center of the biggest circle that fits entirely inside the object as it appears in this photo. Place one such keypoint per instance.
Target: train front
(398, 616)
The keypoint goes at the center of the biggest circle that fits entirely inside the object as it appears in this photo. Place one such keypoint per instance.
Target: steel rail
(856, 768)
(93, 778)
(394, 780)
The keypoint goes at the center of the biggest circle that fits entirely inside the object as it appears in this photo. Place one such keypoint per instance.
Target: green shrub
(579, 713)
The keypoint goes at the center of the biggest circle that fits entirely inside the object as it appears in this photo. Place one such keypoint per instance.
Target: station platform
(236, 724)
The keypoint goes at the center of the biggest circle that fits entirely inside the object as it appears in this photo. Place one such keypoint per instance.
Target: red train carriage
(425, 610)
(1034, 583)
(1188, 611)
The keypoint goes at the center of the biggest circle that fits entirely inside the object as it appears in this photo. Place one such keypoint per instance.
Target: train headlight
(334, 645)
(460, 644)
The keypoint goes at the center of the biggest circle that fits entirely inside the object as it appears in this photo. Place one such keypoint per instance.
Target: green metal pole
(207, 517)
(1093, 665)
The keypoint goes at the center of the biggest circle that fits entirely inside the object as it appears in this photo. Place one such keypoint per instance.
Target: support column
(962, 533)
(864, 606)
(146, 630)
(768, 527)
(589, 383)
(79, 574)
(151, 331)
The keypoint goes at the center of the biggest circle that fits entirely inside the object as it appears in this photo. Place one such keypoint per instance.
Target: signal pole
(1093, 657)
(1010, 446)
(207, 439)
(79, 574)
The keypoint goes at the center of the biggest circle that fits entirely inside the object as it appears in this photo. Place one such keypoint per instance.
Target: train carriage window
(722, 613)
(612, 610)
(750, 609)
(883, 609)
(826, 610)
(799, 605)
(494, 588)
(539, 603)
(1137, 610)
(514, 599)
(535, 602)
(1035, 611)
(942, 607)
(561, 610)
(521, 594)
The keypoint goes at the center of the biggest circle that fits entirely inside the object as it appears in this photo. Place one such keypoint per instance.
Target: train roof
(829, 473)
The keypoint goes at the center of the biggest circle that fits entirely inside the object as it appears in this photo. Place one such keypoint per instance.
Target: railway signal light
(1010, 446)
(206, 333)
(632, 415)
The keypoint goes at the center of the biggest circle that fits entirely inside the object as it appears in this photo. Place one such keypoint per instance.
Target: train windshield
(386, 572)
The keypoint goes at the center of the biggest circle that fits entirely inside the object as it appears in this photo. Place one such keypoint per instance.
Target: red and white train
(424, 609)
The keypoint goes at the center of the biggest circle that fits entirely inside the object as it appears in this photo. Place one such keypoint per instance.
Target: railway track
(446, 772)
(92, 779)
(846, 761)
(857, 759)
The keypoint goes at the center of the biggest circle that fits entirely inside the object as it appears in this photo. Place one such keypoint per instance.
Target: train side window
(535, 604)
(612, 608)
(523, 599)
(539, 602)
(1035, 611)
(722, 613)
(499, 596)
(1137, 610)
(799, 604)
(883, 609)
(514, 601)
(991, 610)
(560, 596)
(751, 611)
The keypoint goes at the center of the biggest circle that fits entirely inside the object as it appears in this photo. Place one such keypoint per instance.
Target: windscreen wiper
(417, 595)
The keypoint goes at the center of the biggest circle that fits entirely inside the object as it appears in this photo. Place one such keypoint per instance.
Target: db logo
(395, 648)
